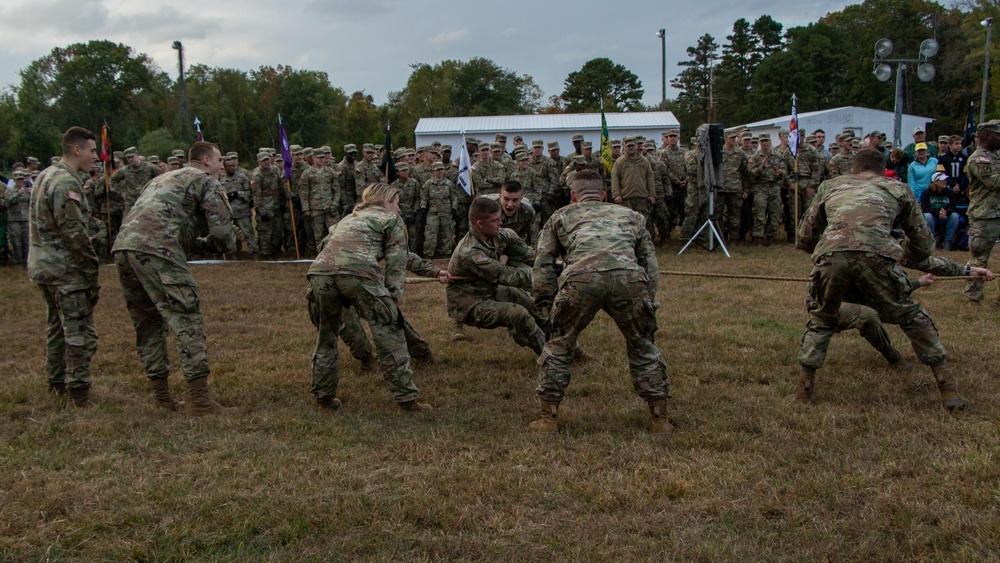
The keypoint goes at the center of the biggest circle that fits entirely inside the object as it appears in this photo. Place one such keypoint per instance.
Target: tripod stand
(713, 230)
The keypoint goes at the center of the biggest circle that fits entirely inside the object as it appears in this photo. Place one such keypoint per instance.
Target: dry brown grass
(875, 471)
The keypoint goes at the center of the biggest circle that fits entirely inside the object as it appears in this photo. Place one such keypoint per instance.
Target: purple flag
(286, 153)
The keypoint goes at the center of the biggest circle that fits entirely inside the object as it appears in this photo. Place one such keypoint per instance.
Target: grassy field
(875, 471)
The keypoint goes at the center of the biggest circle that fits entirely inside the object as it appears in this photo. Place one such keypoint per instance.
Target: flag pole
(286, 154)
(291, 211)
(106, 146)
(795, 153)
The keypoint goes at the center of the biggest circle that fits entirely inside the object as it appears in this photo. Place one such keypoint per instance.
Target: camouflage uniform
(768, 172)
(237, 188)
(521, 222)
(347, 273)
(110, 201)
(487, 177)
(673, 157)
(495, 293)
(348, 186)
(320, 192)
(735, 186)
(463, 200)
(63, 263)
(696, 203)
(610, 266)
(151, 256)
(129, 181)
(18, 205)
(366, 173)
(841, 164)
(437, 199)
(847, 230)
(268, 191)
(659, 216)
(984, 213)
(307, 218)
(409, 208)
(810, 174)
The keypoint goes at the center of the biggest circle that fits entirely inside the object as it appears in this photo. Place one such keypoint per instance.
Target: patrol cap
(920, 147)
(782, 133)
(295, 149)
(445, 148)
(939, 177)
(855, 142)
(368, 147)
(630, 140)
(875, 133)
(350, 148)
(179, 153)
(437, 166)
(19, 175)
(694, 141)
(153, 159)
(615, 142)
(518, 137)
(650, 147)
(991, 125)
(402, 167)
(325, 149)
(173, 160)
(764, 137)
(116, 154)
(845, 137)
(587, 145)
(410, 152)
(537, 143)
(811, 139)
(436, 144)
(887, 144)
(520, 156)
(553, 145)
(307, 152)
(501, 137)
(421, 148)
(232, 156)
(943, 138)
(378, 148)
(399, 153)
(579, 159)
(731, 135)
(484, 146)
(671, 133)
(834, 146)
(577, 138)
(278, 157)
(918, 129)
(262, 156)
(131, 151)
(33, 160)
(495, 147)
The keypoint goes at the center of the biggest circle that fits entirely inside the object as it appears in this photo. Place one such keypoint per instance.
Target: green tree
(694, 82)
(602, 78)
(157, 142)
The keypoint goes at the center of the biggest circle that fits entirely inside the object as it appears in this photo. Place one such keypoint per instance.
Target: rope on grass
(718, 275)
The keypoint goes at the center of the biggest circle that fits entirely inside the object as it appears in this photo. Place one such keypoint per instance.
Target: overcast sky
(371, 49)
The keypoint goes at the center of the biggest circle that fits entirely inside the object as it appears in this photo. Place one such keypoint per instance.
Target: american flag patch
(74, 196)
(482, 258)
(984, 159)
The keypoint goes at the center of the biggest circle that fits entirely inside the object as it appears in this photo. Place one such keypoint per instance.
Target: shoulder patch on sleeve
(73, 195)
(983, 159)
(481, 259)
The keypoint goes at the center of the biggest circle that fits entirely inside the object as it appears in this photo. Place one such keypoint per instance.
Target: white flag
(464, 167)
(793, 128)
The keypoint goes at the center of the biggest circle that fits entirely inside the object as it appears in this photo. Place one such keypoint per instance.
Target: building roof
(783, 120)
(544, 122)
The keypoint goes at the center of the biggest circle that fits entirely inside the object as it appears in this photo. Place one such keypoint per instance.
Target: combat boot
(328, 404)
(414, 406)
(81, 397)
(581, 356)
(892, 356)
(768, 241)
(458, 332)
(951, 399)
(757, 241)
(804, 390)
(58, 389)
(161, 395)
(200, 403)
(549, 423)
(370, 363)
(658, 417)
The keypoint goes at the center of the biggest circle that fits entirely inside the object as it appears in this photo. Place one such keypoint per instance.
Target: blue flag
(970, 126)
(286, 153)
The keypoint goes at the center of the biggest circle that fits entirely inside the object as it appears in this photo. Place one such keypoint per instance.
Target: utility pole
(182, 92)
(662, 34)
(988, 22)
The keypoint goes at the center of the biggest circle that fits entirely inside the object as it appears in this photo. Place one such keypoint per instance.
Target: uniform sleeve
(650, 180)
(488, 269)
(255, 189)
(544, 281)
(516, 250)
(616, 182)
(67, 211)
(982, 168)
(912, 221)
(645, 256)
(218, 215)
(421, 267)
(813, 222)
(937, 266)
(396, 257)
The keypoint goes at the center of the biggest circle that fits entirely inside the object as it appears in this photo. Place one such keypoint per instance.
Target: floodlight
(987, 22)
(926, 72)
(883, 72)
(928, 48)
(883, 47)
(660, 33)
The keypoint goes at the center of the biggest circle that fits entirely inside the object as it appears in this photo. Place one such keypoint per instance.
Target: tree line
(748, 77)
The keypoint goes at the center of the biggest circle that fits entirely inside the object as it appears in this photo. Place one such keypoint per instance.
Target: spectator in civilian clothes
(918, 174)
(938, 206)
(954, 161)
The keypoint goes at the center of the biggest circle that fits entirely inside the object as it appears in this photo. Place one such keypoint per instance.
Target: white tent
(548, 127)
(861, 121)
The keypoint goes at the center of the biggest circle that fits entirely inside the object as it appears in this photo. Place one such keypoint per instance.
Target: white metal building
(861, 121)
(548, 127)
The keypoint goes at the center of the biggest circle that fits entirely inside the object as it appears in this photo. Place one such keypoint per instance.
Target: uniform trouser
(98, 233)
(162, 296)
(660, 219)
(878, 283)
(786, 213)
(71, 339)
(414, 234)
(806, 195)
(296, 234)
(3, 236)
(623, 295)
(116, 225)
(320, 224)
(438, 234)
(676, 208)
(727, 209)
(371, 301)
(462, 220)
(270, 232)
(18, 233)
(245, 227)
(353, 334)
(983, 235)
(640, 205)
(695, 215)
(307, 240)
(746, 217)
(510, 308)
(866, 321)
(766, 211)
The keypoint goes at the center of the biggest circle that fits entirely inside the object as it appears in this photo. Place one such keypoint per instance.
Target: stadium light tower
(883, 71)
(181, 89)
(988, 24)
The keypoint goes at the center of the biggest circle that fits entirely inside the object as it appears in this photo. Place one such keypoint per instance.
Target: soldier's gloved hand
(94, 294)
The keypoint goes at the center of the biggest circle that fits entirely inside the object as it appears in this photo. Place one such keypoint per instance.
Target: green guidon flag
(605, 143)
